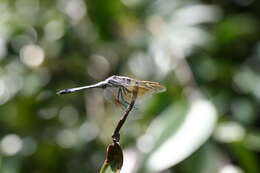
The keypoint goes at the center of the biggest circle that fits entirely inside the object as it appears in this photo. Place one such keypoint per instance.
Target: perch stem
(116, 134)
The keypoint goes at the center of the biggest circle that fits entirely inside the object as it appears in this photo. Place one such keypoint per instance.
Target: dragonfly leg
(118, 94)
(125, 90)
(120, 98)
(122, 93)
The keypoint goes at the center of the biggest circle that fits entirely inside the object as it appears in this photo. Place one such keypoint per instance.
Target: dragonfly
(120, 89)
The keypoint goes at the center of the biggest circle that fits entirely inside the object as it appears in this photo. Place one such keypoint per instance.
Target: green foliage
(206, 53)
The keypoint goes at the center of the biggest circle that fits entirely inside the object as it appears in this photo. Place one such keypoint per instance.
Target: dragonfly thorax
(120, 80)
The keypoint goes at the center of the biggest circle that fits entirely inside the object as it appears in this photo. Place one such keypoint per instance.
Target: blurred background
(206, 52)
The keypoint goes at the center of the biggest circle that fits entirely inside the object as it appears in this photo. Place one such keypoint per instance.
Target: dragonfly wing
(121, 89)
(118, 96)
(154, 87)
(146, 88)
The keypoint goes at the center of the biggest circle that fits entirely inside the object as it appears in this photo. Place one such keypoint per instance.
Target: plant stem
(116, 134)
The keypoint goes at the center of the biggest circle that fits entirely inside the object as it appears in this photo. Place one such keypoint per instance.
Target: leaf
(184, 138)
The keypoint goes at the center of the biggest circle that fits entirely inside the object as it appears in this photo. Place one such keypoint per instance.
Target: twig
(116, 134)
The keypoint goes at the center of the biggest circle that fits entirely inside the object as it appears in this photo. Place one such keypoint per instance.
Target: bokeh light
(230, 132)
(11, 144)
(230, 169)
(206, 53)
(32, 55)
(66, 138)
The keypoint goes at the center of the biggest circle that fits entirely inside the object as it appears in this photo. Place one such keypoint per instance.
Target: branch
(114, 156)
(116, 134)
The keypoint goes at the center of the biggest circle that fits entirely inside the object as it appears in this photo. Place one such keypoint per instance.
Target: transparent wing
(146, 88)
(122, 96)
(118, 95)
